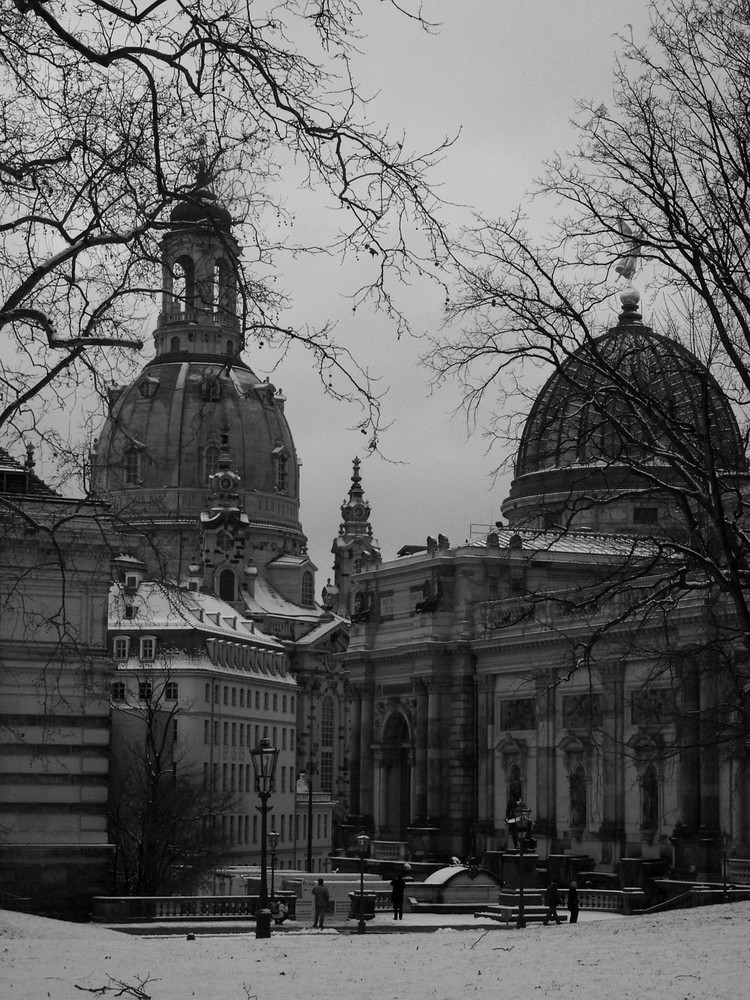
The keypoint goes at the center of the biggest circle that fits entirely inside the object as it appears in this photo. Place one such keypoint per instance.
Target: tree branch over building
(114, 110)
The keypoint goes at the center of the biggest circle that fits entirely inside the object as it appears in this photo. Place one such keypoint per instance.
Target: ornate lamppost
(363, 844)
(264, 758)
(522, 816)
(273, 843)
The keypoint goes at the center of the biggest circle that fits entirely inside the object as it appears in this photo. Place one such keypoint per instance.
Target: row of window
(240, 777)
(241, 734)
(243, 698)
(146, 647)
(240, 656)
(239, 829)
(169, 691)
(133, 457)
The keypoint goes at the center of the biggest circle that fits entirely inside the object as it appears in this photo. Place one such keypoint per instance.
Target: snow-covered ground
(683, 955)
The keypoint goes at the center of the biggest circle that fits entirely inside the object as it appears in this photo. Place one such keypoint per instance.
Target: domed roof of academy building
(624, 407)
(197, 400)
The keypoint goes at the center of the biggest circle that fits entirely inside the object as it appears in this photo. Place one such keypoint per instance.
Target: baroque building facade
(198, 460)
(473, 678)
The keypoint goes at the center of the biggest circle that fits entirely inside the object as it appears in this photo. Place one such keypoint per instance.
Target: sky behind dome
(504, 77)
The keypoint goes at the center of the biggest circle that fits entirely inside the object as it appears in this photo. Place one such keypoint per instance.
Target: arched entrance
(395, 798)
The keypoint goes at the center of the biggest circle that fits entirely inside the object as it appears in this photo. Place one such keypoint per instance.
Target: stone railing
(144, 909)
(389, 850)
(738, 870)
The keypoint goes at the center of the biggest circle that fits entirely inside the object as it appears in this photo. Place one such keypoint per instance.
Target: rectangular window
(118, 691)
(283, 703)
(291, 703)
(145, 690)
(206, 731)
(208, 694)
(216, 733)
(234, 696)
(283, 738)
(121, 648)
(226, 734)
(234, 734)
(242, 734)
(225, 777)
(216, 693)
(215, 776)
(645, 515)
(326, 771)
(255, 829)
(291, 739)
(275, 703)
(273, 737)
(226, 695)
(265, 701)
(242, 697)
(233, 780)
(170, 691)
(282, 831)
(283, 779)
(257, 699)
(148, 648)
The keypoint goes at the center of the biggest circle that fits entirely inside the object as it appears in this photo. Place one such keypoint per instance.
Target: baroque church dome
(197, 404)
(623, 406)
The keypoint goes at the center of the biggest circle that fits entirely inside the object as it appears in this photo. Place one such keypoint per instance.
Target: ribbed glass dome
(626, 404)
(630, 395)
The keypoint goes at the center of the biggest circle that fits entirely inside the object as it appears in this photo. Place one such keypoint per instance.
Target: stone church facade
(470, 691)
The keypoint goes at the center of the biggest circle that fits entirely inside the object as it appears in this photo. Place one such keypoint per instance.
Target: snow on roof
(167, 607)
(267, 601)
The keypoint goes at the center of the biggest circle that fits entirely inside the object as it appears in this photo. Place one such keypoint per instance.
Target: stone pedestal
(511, 873)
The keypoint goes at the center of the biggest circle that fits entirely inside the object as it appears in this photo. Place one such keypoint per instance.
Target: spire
(355, 511)
(354, 549)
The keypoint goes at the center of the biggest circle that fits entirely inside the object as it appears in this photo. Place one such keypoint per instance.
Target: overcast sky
(507, 74)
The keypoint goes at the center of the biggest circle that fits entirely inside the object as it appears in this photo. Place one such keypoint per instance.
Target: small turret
(355, 548)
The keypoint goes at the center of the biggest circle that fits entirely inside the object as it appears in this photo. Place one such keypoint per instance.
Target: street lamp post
(726, 840)
(363, 843)
(523, 822)
(273, 843)
(264, 758)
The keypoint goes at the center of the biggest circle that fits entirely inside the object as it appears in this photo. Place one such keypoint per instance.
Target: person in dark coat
(573, 905)
(397, 895)
(552, 899)
(320, 898)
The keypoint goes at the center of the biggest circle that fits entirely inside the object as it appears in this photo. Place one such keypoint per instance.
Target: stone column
(612, 707)
(419, 799)
(355, 761)
(485, 739)
(434, 749)
(545, 807)
(366, 774)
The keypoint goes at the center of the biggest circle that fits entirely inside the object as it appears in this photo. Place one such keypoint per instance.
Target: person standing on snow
(320, 899)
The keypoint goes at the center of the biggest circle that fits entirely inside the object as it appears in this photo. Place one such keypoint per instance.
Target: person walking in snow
(321, 896)
(552, 899)
(573, 905)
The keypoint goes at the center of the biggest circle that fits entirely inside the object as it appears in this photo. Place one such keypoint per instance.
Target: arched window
(183, 284)
(223, 287)
(227, 586)
(211, 460)
(307, 589)
(133, 467)
(174, 344)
